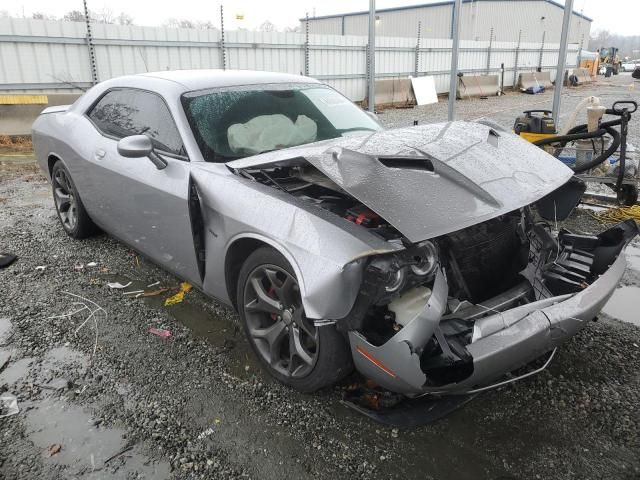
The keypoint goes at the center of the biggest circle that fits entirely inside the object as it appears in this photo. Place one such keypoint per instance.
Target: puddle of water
(15, 371)
(633, 257)
(5, 329)
(63, 358)
(220, 333)
(85, 447)
(624, 304)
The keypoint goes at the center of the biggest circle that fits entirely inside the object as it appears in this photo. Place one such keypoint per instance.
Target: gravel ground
(196, 405)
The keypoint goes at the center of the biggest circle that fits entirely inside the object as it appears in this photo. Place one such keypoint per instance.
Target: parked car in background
(628, 66)
(419, 254)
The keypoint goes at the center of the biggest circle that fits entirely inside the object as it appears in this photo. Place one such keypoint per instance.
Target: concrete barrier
(478, 86)
(583, 74)
(534, 79)
(394, 92)
(18, 112)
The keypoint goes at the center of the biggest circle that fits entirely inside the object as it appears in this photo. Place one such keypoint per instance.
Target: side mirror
(138, 146)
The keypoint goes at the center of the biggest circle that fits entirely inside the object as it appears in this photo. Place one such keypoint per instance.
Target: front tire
(289, 346)
(71, 212)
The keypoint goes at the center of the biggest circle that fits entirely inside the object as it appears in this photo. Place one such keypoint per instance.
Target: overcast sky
(619, 16)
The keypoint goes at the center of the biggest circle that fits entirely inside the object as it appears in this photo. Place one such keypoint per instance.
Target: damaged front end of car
(496, 296)
(480, 280)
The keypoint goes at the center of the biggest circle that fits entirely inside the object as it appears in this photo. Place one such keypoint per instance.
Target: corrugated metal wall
(46, 56)
(506, 17)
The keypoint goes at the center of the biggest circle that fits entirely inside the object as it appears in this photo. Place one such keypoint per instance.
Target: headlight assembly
(426, 259)
(396, 280)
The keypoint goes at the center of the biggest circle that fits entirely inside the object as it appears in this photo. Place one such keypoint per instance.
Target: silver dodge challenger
(427, 257)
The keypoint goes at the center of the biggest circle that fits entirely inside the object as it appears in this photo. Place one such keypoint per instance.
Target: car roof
(203, 79)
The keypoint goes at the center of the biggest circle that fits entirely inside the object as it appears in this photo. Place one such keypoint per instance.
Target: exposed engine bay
(419, 309)
(307, 183)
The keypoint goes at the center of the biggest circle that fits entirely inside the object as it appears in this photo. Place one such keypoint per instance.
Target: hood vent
(492, 138)
(416, 163)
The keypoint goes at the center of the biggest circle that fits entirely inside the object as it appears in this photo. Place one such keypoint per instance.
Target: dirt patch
(15, 143)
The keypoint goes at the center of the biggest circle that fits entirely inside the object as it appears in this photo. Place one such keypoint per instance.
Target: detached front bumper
(524, 333)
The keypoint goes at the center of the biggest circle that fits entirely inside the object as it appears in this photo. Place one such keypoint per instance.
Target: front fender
(320, 246)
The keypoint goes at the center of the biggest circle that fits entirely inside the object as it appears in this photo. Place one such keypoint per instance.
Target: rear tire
(71, 212)
(289, 346)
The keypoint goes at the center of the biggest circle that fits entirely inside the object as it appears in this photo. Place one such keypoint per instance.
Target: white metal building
(506, 17)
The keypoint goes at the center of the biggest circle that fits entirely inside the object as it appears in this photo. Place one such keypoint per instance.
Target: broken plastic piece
(40, 268)
(8, 405)
(160, 332)
(411, 412)
(118, 285)
(153, 284)
(178, 297)
(92, 264)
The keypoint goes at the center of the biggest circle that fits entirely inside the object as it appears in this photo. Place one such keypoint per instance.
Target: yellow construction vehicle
(609, 59)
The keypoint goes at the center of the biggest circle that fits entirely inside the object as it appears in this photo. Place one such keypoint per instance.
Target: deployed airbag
(270, 132)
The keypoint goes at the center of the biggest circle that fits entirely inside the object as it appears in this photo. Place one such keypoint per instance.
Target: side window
(125, 112)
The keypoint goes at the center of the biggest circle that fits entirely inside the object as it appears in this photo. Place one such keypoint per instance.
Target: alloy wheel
(65, 200)
(277, 325)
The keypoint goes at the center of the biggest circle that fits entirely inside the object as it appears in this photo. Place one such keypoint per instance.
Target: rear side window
(124, 112)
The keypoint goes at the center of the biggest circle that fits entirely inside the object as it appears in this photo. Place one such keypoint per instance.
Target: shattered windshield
(231, 123)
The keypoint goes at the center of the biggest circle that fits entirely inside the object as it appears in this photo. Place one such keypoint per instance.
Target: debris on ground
(8, 405)
(54, 449)
(115, 455)
(179, 297)
(94, 309)
(41, 268)
(118, 285)
(4, 362)
(155, 293)
(7, 259)
(92, 264)
(160, 332)
(153, 284)
(133, 292)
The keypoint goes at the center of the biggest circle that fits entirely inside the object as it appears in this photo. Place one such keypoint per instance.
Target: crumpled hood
(431, 180)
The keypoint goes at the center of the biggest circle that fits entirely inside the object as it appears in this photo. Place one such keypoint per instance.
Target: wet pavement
(197, 405)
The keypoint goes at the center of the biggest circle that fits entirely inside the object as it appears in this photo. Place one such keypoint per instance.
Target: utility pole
(92, 51)
(306, 44)
(372, 56)
(223, 48)
(562, 58)
(453, 81)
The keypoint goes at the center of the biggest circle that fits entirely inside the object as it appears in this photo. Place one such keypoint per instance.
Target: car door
(145, 207)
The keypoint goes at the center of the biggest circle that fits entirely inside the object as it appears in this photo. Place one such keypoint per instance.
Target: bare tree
(267, 26)
(43, 16)
(294, 29)
(124, 19)
(74, 16)
(205, 25)
(179, 23)
(105, 15)
(628, 45)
